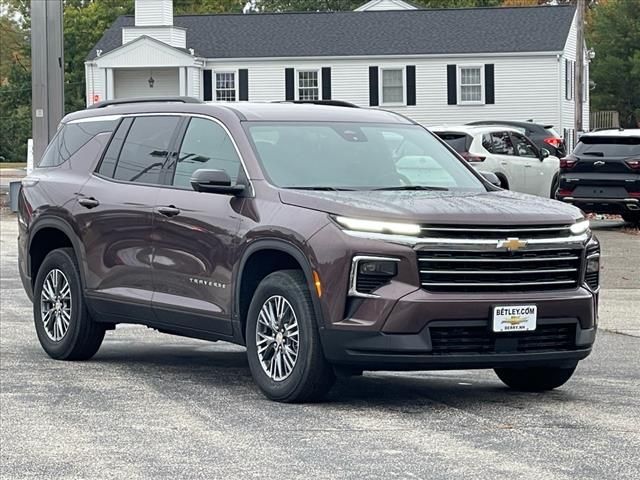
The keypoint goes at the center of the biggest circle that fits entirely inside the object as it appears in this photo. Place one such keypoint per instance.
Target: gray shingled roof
(446, 31)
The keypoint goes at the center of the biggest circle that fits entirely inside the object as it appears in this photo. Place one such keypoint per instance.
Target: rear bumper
(604, 205)
(380, 351)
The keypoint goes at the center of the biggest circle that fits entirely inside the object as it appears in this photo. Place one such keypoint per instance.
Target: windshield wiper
(414, 187)
(323, 189)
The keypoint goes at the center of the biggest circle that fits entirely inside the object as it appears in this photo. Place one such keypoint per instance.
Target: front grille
(480, 340)
(498, 271)
(489, 232)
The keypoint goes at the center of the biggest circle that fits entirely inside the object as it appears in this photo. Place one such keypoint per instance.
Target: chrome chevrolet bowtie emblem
(512, 244)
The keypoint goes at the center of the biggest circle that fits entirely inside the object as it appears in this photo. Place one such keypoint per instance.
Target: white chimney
(154, 13)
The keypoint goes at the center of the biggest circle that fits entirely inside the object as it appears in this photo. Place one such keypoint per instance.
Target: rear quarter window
(71, 138)
(608, 146)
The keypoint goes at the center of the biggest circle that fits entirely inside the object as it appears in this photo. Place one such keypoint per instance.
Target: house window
(392, 84)
(308, 85)
(470, 84)
(569, 72)
(225, 86)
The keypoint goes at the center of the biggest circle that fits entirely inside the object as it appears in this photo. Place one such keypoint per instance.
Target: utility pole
(579, 76)
(47, 72)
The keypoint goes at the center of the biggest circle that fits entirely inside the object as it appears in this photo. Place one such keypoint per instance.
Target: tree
(614, 34)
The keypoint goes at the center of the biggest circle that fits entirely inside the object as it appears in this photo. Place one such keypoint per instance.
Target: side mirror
(544, 153)
(492, 178)
(214, 181)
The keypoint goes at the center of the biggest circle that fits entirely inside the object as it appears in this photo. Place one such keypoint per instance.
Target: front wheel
(283, 344)
(534, 379)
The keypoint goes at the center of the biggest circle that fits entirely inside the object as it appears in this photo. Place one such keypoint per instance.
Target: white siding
(525, 86)
(94, 83)
(154, 12)
(145, 52)
(385, 5)
(135, 82)
(194, 75)
(174, 36)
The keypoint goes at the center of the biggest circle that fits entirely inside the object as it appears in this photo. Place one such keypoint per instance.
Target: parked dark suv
(297, 230)
(602, 174)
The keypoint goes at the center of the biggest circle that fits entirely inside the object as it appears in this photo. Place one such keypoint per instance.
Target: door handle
(169, 211)
(88, 202)
(503, 163)
(527, 166)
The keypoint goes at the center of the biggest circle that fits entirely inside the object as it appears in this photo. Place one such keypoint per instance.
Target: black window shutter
(243, 84)
(326, 83)
(411, 84)
(289, 81)
(208, 85)
(489, 84)
(373, 87)
(452, 85)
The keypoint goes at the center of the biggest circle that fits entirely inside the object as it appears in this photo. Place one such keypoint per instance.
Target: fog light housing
(370, 273)
(383, 268)
(593, 264)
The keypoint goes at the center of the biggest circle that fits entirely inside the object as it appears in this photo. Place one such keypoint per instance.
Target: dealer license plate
(515, 318)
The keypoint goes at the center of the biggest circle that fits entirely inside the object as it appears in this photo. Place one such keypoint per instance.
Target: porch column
(182, 73)
(109, 87)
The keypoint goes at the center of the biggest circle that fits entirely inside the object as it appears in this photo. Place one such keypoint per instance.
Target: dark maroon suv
(328, 240)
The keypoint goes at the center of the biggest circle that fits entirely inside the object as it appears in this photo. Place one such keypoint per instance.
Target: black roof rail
(126, 101)
(333, 103)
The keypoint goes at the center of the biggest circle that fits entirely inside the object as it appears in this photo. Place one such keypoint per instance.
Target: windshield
(357, 156)
(608, 146)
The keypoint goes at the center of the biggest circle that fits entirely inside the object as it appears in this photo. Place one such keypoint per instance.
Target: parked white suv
(519, 164)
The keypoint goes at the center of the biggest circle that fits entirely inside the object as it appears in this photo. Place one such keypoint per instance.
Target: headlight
(593, 264)
(379, 227)
(579, 227)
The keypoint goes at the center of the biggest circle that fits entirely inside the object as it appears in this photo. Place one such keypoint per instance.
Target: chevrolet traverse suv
(602, 174)
(298, 231)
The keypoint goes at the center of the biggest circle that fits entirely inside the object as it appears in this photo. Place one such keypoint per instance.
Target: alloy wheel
(277, 338)
(55, 305)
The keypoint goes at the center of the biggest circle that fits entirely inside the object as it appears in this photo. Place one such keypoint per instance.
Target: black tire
(632, 217)
(312, 376)
(555, 184)
(535, 379)
(83, 336)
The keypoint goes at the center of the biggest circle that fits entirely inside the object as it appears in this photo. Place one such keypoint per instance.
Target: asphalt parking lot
(150, 405)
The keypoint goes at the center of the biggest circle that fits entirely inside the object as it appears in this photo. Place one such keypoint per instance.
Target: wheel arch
(65, 236)
(244, 286)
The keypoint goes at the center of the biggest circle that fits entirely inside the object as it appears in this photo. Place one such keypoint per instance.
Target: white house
(436, 66)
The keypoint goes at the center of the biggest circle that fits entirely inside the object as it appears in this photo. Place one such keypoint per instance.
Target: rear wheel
(535, 379)
(283, 344)
(63, 324)
(632, 217)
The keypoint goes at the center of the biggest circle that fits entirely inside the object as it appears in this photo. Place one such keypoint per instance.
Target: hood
(455, 208)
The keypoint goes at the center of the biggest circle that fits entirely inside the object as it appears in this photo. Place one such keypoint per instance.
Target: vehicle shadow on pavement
(209, 367)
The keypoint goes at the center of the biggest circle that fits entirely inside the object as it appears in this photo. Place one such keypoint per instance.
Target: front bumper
(381, 351)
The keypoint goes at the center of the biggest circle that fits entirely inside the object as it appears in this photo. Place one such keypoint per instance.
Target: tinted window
(108, 165)
(205, 145)
(145, 149)
(71, 138)
(501, 144)
(458, 141)
(523, 147)
(356, 156)
(608, 146)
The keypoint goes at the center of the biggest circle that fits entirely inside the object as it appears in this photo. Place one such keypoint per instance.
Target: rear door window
(608, 146)
(146, 149)
(501, 144)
